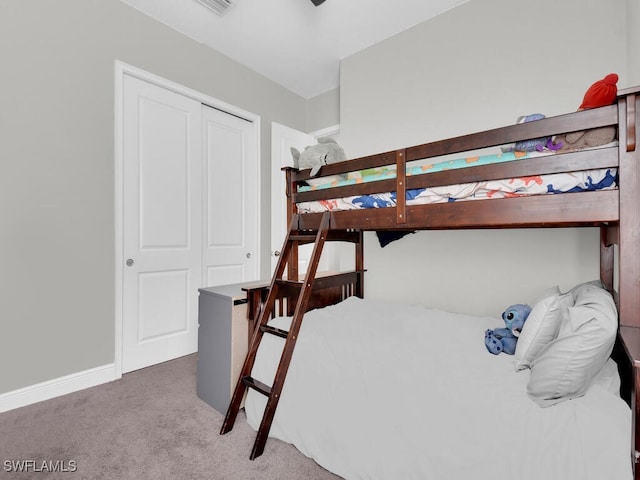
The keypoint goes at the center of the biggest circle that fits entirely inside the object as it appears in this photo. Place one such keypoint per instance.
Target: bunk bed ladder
(303, 293)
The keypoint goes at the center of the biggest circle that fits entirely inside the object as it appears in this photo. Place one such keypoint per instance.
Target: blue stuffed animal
(505, 339)
(534, 144)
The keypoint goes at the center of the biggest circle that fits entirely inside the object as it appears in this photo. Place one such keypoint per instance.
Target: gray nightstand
(222, 342)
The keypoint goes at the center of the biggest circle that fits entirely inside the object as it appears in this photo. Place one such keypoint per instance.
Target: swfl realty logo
(47, 466)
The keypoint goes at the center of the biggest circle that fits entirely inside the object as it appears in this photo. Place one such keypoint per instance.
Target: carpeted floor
(148, 425)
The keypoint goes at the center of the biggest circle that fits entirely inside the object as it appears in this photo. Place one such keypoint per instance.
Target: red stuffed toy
(601, 93)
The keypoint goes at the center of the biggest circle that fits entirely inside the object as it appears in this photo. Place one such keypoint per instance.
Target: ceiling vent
(218, 6)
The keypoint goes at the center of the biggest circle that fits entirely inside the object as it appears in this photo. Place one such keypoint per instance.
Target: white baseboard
(58, 386)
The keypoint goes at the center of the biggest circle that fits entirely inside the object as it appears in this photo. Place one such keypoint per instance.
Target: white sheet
(379, 390)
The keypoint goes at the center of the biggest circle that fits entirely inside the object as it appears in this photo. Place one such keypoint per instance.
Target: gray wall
(476, 67)
(57, 181)
(323, 110)
(633, 41)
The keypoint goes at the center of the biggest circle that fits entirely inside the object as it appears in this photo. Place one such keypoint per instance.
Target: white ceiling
(293, 42)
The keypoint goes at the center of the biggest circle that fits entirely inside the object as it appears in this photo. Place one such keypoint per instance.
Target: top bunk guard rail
(558, 163)
(595, 208)
(570, 122)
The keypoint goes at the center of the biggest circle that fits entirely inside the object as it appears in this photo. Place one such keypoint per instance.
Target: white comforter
(379, 390)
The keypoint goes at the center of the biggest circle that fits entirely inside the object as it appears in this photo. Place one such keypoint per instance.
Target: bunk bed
(316, 207)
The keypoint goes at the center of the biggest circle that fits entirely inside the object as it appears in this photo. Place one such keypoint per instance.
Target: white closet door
(162, 245)
(231, 205)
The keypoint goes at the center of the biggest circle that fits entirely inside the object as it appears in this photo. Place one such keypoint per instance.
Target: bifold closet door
(230, 173)
(162, 223)
(190, 215)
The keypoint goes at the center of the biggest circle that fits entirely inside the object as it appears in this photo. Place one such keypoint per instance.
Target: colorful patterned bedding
(587, 180)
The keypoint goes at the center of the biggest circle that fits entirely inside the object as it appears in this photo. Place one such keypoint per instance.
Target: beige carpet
(148, 425)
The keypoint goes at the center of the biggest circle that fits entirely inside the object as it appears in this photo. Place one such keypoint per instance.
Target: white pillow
(541, 327)
(578, 289)
(566, 367)
(608, 378)
(547, 292)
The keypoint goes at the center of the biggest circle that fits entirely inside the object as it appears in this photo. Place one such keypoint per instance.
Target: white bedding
(380, 390)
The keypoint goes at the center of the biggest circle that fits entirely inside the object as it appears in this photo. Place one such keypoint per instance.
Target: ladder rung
(343, 236)
(302, 238)
(257, 385)
(274, 331)
(332, 235)
(294, 284)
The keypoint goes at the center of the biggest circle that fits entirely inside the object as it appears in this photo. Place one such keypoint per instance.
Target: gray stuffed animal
(594, 137)
(325, 152)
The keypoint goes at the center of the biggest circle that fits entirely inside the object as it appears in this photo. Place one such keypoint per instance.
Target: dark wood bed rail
(328, 289)
(628, 241)
(584, 208)
(591, 160)
(594, 208)
(568, 162)
(579, 209)
(569, 122)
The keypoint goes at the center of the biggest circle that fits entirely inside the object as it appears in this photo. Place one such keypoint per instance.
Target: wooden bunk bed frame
(614, 211)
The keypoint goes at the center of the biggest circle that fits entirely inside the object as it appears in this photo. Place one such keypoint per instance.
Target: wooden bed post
(401, 186)
(608, 238)
(359, 266)
(292, 264)
(629, 185)
(629, 254)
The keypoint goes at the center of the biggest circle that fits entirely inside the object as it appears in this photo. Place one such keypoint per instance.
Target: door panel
(226, 274)
(163, 175)
(162, 319)
(231, 209)
(162, 224)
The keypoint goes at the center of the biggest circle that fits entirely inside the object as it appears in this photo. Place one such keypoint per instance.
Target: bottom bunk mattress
(379, 390)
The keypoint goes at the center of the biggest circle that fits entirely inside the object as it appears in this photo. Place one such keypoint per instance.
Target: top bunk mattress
(579, 181)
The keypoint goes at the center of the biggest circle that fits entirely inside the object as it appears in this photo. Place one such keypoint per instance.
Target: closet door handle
(276, 253)
(129, 262)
